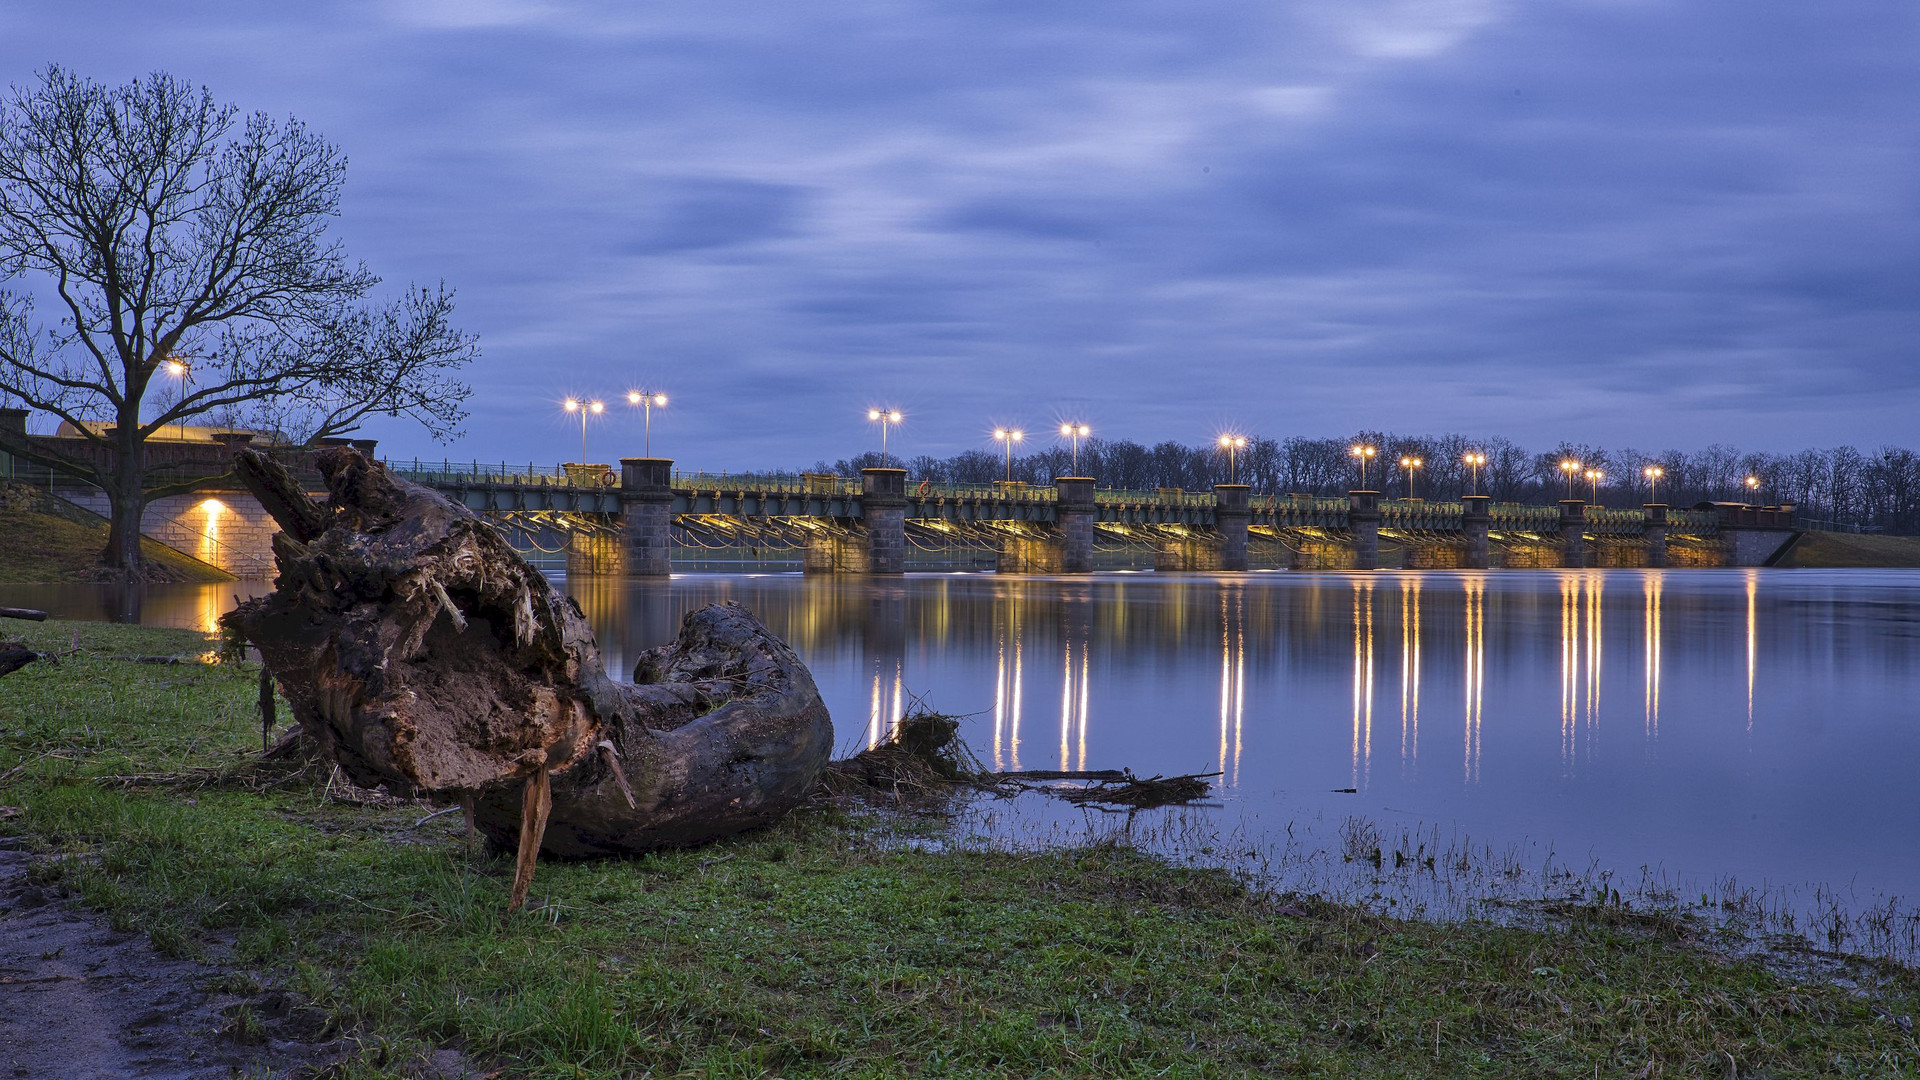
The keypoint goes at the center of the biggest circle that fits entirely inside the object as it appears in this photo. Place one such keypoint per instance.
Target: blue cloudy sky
(1650, 222)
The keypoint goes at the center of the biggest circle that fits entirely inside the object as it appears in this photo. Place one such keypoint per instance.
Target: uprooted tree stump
(423, 655)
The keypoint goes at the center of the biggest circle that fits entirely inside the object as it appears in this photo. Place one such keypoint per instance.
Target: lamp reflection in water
(885, 633)
(1233, 681)
(1362, 682)
(1475, 676)
(1581, 639)
(1753, 638)
(1073, 684)
(888, 700)
(1409, 673)
(1651, 586)
(1007, 692)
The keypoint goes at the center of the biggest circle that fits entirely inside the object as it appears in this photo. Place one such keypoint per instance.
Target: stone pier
(874, 544)
(1363, 519)
(1231, 512)
(1573, 534)
(1656, 534)
(883, 510)
(1074, 516)
(1476, 521)
(646, 517)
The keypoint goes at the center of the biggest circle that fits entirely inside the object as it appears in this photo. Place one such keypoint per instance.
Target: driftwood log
(14, 656)
(30, 614)
(423, 655)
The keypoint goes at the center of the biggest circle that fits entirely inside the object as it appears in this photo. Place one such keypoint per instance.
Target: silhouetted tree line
(1843, 487)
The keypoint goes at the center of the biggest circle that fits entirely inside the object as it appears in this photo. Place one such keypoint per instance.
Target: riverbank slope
(1854, 551)
(41, 548)
(833, 944)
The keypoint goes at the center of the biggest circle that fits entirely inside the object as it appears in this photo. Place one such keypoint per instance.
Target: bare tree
(162, 227)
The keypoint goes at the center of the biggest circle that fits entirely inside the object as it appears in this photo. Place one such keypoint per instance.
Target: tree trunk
(425, 656)
(126, 496)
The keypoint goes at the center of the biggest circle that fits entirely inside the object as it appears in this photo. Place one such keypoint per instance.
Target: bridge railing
(1160, 496)
(446, 471)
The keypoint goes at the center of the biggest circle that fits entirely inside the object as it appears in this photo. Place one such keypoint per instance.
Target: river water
(1761, 726)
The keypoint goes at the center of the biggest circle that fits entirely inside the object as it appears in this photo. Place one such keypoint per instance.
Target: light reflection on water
(1778, 733)
(1776, 740)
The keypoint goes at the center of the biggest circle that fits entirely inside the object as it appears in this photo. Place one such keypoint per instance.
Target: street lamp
(1365, 454)
(1075, 432)
(647, 402)
(1233, 444)
(1474, 461)
(596, 407)
(183, 371)
(1594, 476)
(1008, 436)
(1653, 473)
(1753, 486)
(1572, 469)
(885, 418)
(1411, 465)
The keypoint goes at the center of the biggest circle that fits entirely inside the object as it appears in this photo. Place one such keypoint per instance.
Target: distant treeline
(1844, 487)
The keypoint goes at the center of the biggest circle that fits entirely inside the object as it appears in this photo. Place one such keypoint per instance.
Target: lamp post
(596, 407)
(1365, 453)
(1572, 469)
(647, 402)
(1594, 476)
(1009, 436)
(1075, 432)
(885, 418)
(1411, 465)
(1753, 486)
(183, 371)
(1474, 461)
(1233, 444)
(1653, 473)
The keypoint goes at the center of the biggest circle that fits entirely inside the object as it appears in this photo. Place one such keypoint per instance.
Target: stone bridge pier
(1573, 534)
(1363, 520)
(1477, 521)
(877, 544)
(1655, 534)
(1067, 548)
(641, 544)
(1223, 549)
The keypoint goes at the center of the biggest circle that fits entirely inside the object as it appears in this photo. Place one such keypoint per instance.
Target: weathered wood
(267, 717)
(28, 614)
(280, 494)
(418, 651)
(14, 656)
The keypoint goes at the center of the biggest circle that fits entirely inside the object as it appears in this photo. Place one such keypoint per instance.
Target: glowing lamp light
(1363, 453)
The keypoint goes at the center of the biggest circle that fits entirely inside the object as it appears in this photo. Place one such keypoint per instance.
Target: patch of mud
(80, 1001)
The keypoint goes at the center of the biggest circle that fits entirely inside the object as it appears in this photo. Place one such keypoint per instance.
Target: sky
(1651, 223)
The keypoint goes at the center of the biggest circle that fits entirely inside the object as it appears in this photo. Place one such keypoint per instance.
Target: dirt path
(79, 1001)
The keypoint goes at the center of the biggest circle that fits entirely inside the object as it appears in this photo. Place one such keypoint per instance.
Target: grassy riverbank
(1854, 551)
(822, 947)
(42, 548)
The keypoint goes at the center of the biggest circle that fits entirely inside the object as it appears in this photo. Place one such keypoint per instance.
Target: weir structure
(631, 521)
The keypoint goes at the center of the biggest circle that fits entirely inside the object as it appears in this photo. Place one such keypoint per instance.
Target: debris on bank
(926, 758)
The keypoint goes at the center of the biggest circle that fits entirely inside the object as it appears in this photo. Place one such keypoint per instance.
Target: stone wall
(229, 529)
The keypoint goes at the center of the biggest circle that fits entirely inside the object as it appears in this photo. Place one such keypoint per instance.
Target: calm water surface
(1760, 724)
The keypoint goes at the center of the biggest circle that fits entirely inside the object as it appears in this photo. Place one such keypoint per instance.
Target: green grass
(44, 549)
(822, 948)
